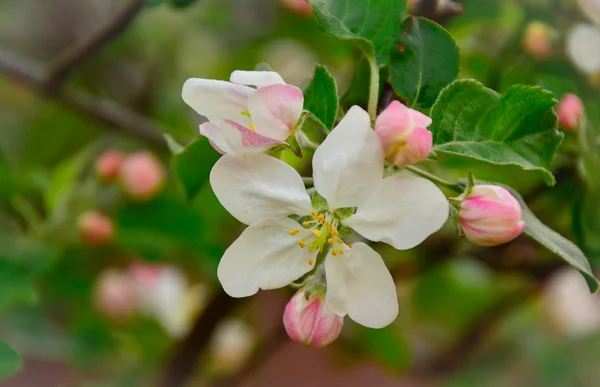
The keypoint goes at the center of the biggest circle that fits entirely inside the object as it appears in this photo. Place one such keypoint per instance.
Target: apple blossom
(583, 48)
(570, 112)
(96, 228)
(142, 176)
(489, 215)
(275, 250)
(243, 119)
(403, 134)
(308, 321)
(108, 164)
(114, 294)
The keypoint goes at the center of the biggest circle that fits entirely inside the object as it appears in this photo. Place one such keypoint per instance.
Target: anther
(301, 243)
(245, 211)
(334, 252)
(335, 232)
(294, 231)
(338, 240)
(341, 251)
(310, 262)
(317, 233)
(330, 241)
(350, 245)
(313, 214)
(321, 219)
(306, 223)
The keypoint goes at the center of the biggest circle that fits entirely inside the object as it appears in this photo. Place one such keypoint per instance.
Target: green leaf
(358, 91)
(519, 129)
(424, 60)
(10, 361)
(556, 243)
(192, 166)
(153, 2)
(388, 345)
(16, 284)
(370, 24)
(182, 3)
(321, 99)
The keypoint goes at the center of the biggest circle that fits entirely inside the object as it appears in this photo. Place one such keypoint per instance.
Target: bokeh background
(142, 307)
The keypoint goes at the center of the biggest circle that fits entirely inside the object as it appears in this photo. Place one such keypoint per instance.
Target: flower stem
(373, 89)
(439, 181)
(308, 181)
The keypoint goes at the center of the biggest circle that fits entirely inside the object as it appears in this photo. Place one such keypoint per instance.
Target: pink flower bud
(490, 215)
(108, 164)
(114, 294)
(536, 40)
(299, 6)
(570, 112)
(403, 134)
(142, 176)
(307, 321)
(96, 228)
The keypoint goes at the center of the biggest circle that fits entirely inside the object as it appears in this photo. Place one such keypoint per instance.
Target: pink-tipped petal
(570, 112)
(215, 136)
(247, 141)
(256, 78)
(395, 120)
(275, 110)
(420, 118)
(217, 100)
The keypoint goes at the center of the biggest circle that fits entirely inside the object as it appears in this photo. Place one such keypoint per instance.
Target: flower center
(324, 229)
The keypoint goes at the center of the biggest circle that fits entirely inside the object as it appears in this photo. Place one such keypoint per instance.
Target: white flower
(275, 250)
(244, 119)
(583, 48)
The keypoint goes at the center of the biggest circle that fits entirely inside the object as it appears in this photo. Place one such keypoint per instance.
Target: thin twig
(33, 75)
(68, 60)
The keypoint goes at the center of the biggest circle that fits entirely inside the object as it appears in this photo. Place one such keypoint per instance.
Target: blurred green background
(126, 312)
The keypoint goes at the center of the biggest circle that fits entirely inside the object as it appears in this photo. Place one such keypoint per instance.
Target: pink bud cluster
(307, 320)
(490, 216)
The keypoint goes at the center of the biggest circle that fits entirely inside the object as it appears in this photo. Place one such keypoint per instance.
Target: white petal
(349, 162)
(265, 256)
(242, 140)
(215, 136)
(255, 187)
(583, 47)
(275, 110)
(256, 78)
(360, 285)
(402, 210)
(217, 100)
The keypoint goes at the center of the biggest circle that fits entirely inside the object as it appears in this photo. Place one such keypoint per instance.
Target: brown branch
(33, 75)
(68, 60)
(181, 365)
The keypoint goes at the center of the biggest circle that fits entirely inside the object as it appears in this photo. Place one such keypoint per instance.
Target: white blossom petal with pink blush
(402, 211)
(256, 187)
(360, 285)
(265, 256)
(256, 78)
(276, 109)
(349, 162)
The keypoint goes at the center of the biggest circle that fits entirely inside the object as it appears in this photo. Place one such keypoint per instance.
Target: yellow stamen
(317, 233)
(245, 211)
(335, 232)
(294, 231)
(314, 215)
(341, 251)
(301, 243)
(306, 223)
(321, 219)
(330, 241)
(338, 240)
(334, 252)
(251, 127)
(245, 113)
(310, 262)
(350, 245)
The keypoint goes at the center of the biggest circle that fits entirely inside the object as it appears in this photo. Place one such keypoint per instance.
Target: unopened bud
(299, 6)
(142, 176)
(108, 164)
(96, 228)
(403, 134)
(490, 216)
(114, 294)
(537, 40)
(570, 112)
(307, 320)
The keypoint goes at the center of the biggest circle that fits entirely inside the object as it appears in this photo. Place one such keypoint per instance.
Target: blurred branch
(275, 342)
(181, 365)
(32, 74)
(68, 60)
